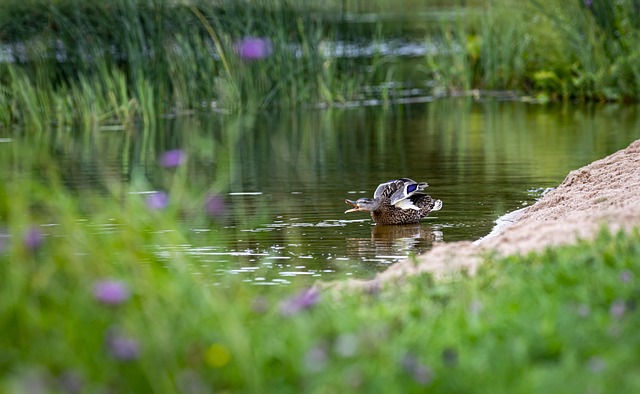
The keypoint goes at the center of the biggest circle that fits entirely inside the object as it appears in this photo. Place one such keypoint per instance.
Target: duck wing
(420, 202)
(406, 189)
(398, 189)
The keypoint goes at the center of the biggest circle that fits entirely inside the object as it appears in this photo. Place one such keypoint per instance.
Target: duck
(398, 201)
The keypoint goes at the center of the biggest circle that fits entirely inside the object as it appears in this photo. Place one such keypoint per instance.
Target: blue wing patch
(411, 188)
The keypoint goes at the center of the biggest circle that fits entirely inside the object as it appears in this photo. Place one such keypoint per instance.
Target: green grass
(97, 62)
(562, 320)
(123, 61)
(548, 49)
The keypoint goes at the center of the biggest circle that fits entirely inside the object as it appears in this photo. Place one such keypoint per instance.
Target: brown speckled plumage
(389, 214)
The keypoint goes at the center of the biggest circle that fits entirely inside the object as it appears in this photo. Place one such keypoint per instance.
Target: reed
(172, 57)
(546, 48)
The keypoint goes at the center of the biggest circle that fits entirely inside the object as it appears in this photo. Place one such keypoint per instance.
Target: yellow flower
(217, 356)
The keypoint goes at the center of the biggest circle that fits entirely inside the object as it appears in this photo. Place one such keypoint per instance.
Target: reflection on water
(281, 178)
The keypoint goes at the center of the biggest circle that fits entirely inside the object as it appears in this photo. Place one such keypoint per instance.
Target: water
(281, 178)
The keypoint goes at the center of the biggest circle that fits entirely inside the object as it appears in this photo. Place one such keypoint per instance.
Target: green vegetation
(95, 295)
(551, 49)
(94, 62)
(97, 61)
(89, 311)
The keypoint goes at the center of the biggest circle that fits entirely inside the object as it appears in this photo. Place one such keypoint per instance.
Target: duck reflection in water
(395, 241)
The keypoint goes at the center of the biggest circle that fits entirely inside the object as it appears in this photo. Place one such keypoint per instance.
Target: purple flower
(253, 48)
(172, 158)
(617, 309)
(346, 345)
(373, 288)
(626, 276)
(214, 205)
(122, 348)
(584, 310)
(475, 307)
(71, 382)
(420, 372)
(259, 305)
(157, 201)
(316, 358)
(33, 238)
(299, 302)
(596, 364)
(4, 239)
(111, 292)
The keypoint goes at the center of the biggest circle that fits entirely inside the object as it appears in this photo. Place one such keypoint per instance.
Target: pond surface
(281, 178)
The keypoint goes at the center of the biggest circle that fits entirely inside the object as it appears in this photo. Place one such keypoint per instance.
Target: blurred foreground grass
(84, 311)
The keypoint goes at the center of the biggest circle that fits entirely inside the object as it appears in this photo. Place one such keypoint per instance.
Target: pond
(280, 179)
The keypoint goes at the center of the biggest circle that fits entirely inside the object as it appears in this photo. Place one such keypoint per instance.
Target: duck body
(398, 201)
(388, 214)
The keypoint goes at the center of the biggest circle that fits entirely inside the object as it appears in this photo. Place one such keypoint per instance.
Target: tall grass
(128, 60)
(96, 60)
(547, 48)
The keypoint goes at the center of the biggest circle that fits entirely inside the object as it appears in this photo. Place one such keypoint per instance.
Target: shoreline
(604, 193)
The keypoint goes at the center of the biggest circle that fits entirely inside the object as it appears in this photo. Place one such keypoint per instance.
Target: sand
(603, 193)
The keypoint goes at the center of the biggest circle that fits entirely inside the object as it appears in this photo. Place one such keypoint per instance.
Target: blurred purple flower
(476, 307)
(259, 305)
(316, 358)
(122, 348)
(617, 309)
(584, 310)
(214, 205)
(157, 200)
(588, 3)
(173, 158)
(111, 292)
(626, 276)
(373, 288)
(420, 372)
(71, 382)
(346, 345)
(189, 381)
(299, 302)
(4, 239)
(33, 238)
(253, 48)
(596, 364)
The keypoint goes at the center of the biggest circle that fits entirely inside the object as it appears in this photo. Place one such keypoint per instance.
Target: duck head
(362, 204)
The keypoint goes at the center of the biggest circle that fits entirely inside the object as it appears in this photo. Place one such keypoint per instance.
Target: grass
(548, 49)
(87, 304)
(70, 65)
(164, 57)
(86, 307)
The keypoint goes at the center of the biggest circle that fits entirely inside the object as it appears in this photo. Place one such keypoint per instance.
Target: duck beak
(355, 206)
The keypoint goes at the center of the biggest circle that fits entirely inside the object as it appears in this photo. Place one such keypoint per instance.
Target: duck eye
(411, 188)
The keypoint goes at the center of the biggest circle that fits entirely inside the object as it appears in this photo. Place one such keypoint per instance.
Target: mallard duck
(398, 201)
